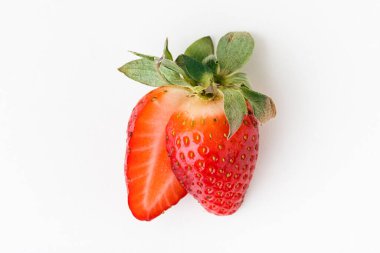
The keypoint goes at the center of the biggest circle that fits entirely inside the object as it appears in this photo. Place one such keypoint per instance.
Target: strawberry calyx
(208, 74)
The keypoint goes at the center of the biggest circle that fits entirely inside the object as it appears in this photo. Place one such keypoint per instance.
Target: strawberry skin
(198, 132)
(213, 169)
(152, 186)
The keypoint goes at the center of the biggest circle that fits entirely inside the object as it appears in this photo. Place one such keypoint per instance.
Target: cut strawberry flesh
(152, 186)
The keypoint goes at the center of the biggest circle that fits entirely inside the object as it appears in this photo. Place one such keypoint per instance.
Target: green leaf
(200, 49)
(167, 54)
(145, 56)
(143, 71)
(234, 108)
(195, 70)
(172, 76)
(181, 73)
(234, 50)
(263, 106)
(237, 79)
(172, 66)
(211, 62)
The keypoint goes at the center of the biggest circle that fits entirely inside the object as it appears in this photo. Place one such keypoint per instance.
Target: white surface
(64, 109)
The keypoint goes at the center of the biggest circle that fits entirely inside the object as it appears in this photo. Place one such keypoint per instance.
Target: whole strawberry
(198, 133)
(214, 169)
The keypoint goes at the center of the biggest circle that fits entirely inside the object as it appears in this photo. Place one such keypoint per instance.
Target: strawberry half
(205, 117)
(213, 169)
(152, 186)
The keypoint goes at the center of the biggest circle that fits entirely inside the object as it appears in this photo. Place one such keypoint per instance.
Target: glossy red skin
(214, 170)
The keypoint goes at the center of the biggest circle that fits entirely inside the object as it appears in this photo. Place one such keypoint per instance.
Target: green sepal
(145, 56)
(211, 62)
(144, 71)
(235, 108)
(236, 79)
(195, 70)
(166, 53)
(233, 51)
(197, 89)
(172, 77)
(263, 106)
(171, 65)
(200, 49)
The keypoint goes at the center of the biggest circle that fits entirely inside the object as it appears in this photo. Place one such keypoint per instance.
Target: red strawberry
(204, 117)
(216, 171)
(152, 185)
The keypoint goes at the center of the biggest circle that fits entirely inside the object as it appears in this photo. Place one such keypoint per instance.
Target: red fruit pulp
(152, 186)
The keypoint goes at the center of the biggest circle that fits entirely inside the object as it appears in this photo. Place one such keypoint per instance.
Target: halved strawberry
(212, 136)
(152, 186)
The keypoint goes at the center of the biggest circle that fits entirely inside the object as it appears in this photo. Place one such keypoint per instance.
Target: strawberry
(152, 186)
(213, 169)
(199, 129)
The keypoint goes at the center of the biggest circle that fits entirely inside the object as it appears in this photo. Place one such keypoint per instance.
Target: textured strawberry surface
(212, 135)
(214, 170)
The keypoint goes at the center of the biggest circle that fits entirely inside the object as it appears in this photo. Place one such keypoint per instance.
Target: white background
(64, 109)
